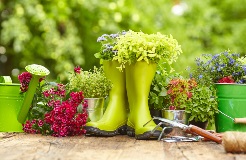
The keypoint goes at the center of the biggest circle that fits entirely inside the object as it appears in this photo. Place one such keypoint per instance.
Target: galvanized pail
(175, 115)
(95, 108)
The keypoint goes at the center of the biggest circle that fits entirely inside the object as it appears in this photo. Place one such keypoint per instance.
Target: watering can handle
(240, 120)
(5, 79)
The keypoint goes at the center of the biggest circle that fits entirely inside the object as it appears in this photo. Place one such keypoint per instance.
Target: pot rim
(171, 110)
(94, 98)
(230, 84)
(9, 84)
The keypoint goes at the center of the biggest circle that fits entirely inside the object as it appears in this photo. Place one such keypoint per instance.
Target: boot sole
(146, 135)
(93, 131)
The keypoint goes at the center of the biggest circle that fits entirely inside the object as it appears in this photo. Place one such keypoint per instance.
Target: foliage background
(61, 34)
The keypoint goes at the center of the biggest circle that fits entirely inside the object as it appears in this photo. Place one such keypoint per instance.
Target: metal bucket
(232, 102)
(10, 103)
(95, 108)
(175, 115)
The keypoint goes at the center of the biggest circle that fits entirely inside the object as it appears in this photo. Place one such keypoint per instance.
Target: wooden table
(21, 146)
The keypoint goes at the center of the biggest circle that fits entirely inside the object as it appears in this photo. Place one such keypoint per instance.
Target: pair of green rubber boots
(127, 111)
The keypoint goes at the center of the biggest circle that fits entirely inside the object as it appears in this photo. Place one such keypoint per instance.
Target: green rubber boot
(138, 80)
(114, 119)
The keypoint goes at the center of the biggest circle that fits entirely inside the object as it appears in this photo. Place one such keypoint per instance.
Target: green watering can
(15, 106)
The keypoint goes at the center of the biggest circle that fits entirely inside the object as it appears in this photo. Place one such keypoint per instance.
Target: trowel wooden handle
(205, 133)
(240, 120)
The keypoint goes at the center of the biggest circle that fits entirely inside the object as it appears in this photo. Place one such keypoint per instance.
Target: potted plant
(202, 107)
(224, 72)
(95, 87)
(179, 92)
(133, 57)
(138, 54)
(158, 90)
(93, 83)
(53, 110)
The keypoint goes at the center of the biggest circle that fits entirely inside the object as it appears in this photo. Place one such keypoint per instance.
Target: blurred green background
(61, 34)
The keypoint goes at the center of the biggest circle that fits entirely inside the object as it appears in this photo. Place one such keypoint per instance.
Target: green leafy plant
(203, 105)
(138, 46)
(179, 92)
(158, 91)
(94, 84)
(158, 88)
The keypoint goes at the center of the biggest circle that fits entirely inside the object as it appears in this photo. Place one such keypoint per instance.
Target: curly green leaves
(138, 46)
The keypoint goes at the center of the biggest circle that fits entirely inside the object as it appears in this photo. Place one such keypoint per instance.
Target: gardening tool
(182, 139)
(235, 120)
(188, 129)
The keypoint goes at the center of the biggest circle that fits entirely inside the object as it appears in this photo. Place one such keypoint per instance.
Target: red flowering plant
(179, 91)
(54, 111)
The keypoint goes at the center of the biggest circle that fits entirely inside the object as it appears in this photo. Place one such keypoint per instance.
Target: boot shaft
(139, 77)
(116, 76)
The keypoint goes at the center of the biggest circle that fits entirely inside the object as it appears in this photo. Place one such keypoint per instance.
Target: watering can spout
(37, 72)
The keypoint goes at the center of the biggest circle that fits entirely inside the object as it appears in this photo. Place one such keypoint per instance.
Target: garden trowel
(189, 129)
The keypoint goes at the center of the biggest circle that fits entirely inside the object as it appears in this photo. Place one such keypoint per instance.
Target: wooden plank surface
(21, 146)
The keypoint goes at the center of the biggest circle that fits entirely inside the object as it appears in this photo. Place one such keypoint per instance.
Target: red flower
(24, 79)
(172, 107)
(41, 79)
(77, 69)
(189, 95)
(57, 114)
(227, 79)
(63, 119)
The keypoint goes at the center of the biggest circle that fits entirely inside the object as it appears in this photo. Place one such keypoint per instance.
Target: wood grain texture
(21, 146)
